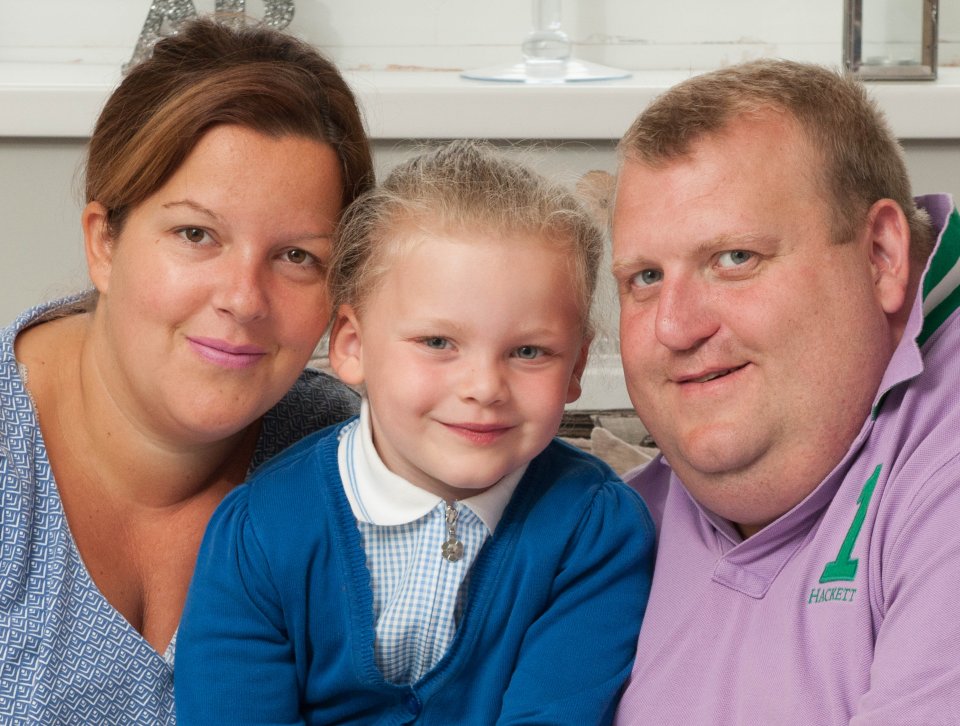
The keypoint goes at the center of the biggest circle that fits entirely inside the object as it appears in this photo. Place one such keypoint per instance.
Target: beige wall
(40, 203)
(40, 208)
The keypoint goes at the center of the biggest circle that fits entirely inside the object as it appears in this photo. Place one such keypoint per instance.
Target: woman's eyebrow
(194, 206)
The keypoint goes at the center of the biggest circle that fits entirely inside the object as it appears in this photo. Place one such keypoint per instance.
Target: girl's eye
(734, 258)
(647, 277)
(196, 235)
(435, 342)
(528, 352)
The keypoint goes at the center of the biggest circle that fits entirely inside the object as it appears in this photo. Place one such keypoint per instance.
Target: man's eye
(734, 258)
(647, 277)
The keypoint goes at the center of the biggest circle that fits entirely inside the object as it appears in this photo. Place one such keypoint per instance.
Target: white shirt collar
(378, 496)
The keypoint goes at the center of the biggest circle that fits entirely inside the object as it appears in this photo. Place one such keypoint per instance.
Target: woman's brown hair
(212, 73)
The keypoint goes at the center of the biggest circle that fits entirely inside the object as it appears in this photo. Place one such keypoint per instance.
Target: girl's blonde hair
(464, 186)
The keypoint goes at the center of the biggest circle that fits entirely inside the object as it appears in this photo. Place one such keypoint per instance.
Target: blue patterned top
(66, 655)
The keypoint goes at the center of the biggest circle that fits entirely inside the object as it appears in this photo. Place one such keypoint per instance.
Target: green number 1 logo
(844, 568)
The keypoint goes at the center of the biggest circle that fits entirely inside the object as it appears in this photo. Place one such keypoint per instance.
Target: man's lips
(710, 375)
(228, 355)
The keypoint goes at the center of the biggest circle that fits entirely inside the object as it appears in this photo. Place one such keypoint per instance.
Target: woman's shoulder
(30, 320)
(82, 302)
(30, 352)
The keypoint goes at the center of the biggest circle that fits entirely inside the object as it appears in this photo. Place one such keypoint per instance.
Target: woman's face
(214, 294)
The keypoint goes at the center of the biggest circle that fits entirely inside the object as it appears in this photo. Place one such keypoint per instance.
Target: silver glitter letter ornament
(166, 16)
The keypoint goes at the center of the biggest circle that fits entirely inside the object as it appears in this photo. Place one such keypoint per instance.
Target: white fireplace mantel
(61, 100)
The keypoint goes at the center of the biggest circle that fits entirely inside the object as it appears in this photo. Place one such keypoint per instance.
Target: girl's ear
(346, 346)
(574, 389)
(98, 245)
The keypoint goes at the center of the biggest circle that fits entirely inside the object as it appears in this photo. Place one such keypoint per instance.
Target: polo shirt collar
(378, 496)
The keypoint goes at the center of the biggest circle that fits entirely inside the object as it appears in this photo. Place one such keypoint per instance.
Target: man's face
(752, 343)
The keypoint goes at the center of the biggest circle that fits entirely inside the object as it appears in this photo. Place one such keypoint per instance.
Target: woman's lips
(225, 354)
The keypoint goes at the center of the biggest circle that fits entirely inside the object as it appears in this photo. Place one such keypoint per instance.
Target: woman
(216, 175)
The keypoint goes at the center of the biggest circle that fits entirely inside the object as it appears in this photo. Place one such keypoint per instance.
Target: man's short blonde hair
(860, 159)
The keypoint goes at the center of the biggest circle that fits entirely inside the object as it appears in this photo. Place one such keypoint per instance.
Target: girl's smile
(469, 348)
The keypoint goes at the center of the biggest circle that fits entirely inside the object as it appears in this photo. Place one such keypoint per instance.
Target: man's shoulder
(917, 425)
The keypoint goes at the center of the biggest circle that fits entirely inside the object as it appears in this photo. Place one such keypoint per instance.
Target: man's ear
(346, 346)
(889, 250)
(574, 389)
(98, 245)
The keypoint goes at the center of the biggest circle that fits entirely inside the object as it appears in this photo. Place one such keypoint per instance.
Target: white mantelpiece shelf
(61, 100)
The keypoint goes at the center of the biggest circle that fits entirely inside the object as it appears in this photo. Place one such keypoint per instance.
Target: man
(791, 343)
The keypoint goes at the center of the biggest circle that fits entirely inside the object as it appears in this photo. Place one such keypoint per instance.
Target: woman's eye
(297, 256)
(734, 258)
(196, 235)
(647, 277)
(528, 352)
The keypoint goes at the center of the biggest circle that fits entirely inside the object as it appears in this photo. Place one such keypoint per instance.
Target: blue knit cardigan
(279, 629)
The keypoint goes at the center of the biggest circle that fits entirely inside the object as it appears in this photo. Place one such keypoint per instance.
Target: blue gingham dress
(66, 655)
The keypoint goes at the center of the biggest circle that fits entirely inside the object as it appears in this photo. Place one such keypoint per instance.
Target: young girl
(442, 559)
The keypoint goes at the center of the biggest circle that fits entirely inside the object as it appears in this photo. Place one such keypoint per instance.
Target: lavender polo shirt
(847, 608)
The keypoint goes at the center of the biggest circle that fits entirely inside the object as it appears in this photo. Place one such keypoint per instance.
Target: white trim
(62, 100)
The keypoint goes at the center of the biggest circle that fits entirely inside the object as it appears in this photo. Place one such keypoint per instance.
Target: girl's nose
(483, 382)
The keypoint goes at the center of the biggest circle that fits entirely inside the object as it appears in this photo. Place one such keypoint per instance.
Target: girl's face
(214, 295)
(469, 348)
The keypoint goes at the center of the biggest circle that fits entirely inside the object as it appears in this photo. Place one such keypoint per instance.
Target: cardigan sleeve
(234, 664)
(577, 655)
